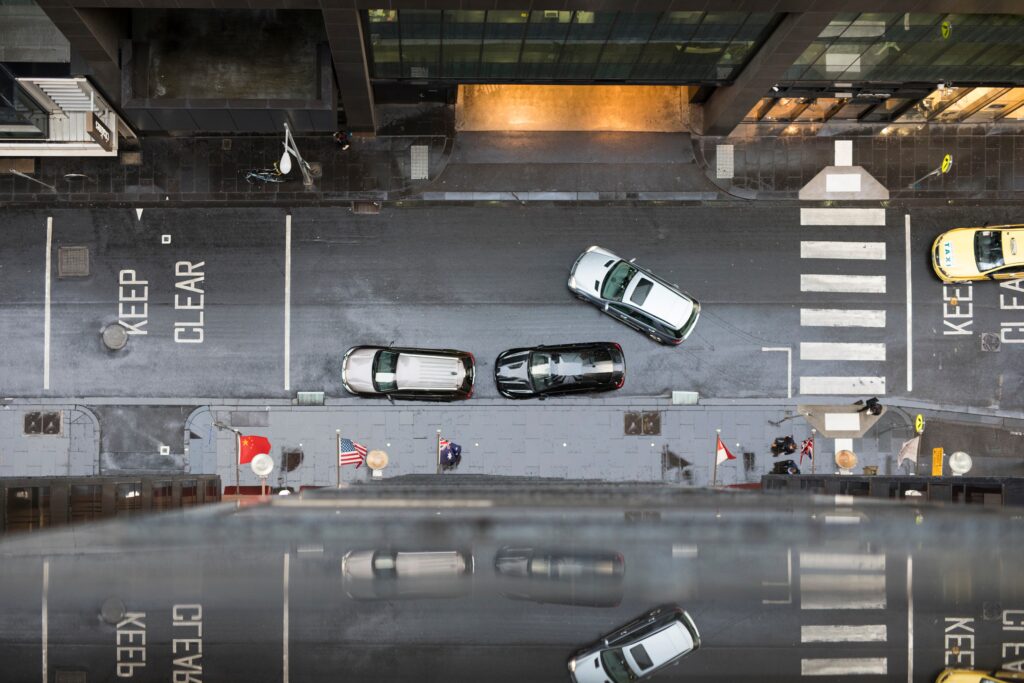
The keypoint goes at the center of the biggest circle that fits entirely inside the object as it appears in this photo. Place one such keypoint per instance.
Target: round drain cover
(115, 337)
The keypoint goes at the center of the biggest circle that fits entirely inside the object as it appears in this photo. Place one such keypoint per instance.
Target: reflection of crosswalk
(820, 257)
(851, 582)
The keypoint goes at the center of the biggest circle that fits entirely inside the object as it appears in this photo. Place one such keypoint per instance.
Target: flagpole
(238, 456)
(714, 476)
(813, 432)
(337, 455)
(439, 451)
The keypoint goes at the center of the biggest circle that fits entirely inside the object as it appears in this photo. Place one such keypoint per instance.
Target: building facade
(249, 65)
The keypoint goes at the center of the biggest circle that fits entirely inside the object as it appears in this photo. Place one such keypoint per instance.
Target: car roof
(419, 371)
(663, 302)
(662, 646)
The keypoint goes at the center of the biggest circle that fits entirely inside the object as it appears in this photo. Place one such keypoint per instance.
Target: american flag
(351, 453)
(807, 448)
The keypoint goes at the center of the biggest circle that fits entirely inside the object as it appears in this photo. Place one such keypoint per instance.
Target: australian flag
(451, 454)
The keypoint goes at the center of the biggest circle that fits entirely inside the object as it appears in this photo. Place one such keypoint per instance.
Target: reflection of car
(384, 574)
(634, 296)
(591, 579)
(424, 374)
(570, 368)
(973, 676)
(964, 254)
(640, 648)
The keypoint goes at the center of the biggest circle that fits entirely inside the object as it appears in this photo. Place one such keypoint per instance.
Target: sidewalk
(988, 164)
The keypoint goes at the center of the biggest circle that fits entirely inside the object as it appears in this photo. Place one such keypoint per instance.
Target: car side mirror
(632, 260)
(390, 398)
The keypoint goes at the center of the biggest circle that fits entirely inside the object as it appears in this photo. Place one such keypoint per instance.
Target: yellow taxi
(989, 253)
(975, 676)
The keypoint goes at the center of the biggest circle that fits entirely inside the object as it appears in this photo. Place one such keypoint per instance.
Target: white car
(635, 296)
(639, 649)
(417, 374)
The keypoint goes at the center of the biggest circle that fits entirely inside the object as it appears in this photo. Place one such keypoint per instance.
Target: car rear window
(640, 656)
(640, 292)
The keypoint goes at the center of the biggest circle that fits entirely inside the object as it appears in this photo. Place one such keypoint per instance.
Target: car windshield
(616, 667)
(988, 249)
(384, 366)
(617, 281)
(640, 656)
(570, 369)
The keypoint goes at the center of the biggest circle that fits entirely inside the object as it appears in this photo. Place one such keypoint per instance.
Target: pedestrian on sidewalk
(343, 140)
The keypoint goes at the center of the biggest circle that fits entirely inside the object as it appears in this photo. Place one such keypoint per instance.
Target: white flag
(908, 451)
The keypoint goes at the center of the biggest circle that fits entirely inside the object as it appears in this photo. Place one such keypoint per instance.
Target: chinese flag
(251, 446)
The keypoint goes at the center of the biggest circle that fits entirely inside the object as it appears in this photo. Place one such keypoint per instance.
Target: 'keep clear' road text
(958, 310)
(959, 642)
(133, 302)
(186, 644)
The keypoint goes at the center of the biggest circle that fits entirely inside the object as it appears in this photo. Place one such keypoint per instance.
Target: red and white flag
(807, 448)
(721, 452)
(251, 446)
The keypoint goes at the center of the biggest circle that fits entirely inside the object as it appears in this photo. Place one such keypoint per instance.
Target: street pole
(337, 455)
(290, 148)
(714, 475)
(238, 456)
(813, 446)
(438, 451)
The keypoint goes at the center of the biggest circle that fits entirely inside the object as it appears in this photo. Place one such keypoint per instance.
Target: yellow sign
(937, 462)
(919, 423)
(946, 28)
(947, 163)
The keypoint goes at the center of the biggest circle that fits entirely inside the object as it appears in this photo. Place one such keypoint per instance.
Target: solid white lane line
(843, 667)
(46, 621)
(851, 561)
(868, 251)
(842, 583)
(842, 385)
(841, 351)
(910, 619)
(874, 633)
(841, 317)
(287, 301)
(910, 333)
(846, 601)
(809, 216)
(284, 622)
(864, 284)
(46, 305)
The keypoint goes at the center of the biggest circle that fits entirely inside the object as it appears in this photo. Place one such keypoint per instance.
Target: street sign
(919, 424)
(947, 163)
(946, 29)
(937, 454)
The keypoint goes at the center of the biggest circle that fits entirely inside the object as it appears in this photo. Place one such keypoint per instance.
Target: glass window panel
(1015, 115)
(503, 41)
(384, 43)
(998, 107)
(421, 42)
(128, 498)
(969, 101)
(719, 26)
(887, 109)
(584, 44)
(785, 109)
(851, 111)
(28, 509)
(85, 503)
(462, 39)
(190, 492)
(212, 491)
(625, 43)
(543, 44)
(676, 27)
(926, 108)
(758, 109)
(658, 61)
(162, 495)
(819, 109)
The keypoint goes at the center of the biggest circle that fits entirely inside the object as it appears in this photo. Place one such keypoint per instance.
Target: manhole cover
(633, 424)
(989, 341)
(72, 261)
(652, 423)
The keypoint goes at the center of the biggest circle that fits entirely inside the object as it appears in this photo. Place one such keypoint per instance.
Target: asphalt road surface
(204, 292)
(780, 589)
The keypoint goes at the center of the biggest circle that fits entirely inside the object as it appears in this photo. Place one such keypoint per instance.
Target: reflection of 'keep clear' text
(958, 310)
(190, 301)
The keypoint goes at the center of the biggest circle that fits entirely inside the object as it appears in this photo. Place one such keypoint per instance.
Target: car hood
(357, 370)
(591, 269)
(954, 253)
(512, 372)
(589, 668)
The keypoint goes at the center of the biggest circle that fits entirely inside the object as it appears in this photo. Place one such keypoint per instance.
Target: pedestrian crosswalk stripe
(869, 251)
(862, 284)
(827, 386)
(874, 633)
(841, 351)
(841, 317)
(846, 666)
(811, 216)
(842, 583)
(850, 601)
(851, 561)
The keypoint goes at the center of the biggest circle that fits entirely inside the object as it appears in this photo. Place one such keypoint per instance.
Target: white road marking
(284, 622)
(910, 619)
(852, 561)
(810, 216)
(842, 583)
(868, 251)
(789, 366)
(46, 305)
(842, 422)
(862, 284)
(844, 153)
(875, 633)
(847, 601)
(841, 317)
(685, 551)
(287, 301)
(841, 351)
(827, 386)
(138, 214)
(46, 621)
(842, 182)
(910, 333)
(843, 666)
(841, 519)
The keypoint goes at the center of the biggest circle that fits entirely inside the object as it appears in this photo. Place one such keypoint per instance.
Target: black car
(592, 579)
(569, 368)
